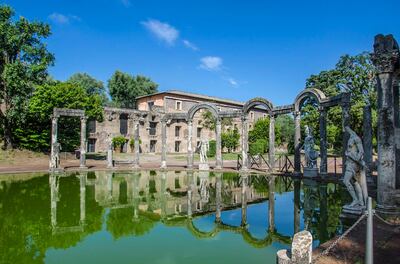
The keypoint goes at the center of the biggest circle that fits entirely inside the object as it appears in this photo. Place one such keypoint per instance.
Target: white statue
(204, 147)
(355, 170)
(310, 153)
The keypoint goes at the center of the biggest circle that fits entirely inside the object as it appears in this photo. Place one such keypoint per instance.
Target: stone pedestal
(351, 211)
(310, 172)
(301, 252)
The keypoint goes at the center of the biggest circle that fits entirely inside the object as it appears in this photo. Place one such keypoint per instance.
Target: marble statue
(310, 153)
(355, 171)
(204, 147)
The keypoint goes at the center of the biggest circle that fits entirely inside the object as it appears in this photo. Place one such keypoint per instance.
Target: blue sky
(227, 48)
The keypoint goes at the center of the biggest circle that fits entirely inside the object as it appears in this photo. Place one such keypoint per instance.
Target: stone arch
(308, 93)
(257, 101)
(210, 107)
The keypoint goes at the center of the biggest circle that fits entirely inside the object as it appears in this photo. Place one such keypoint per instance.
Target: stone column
(136, 149)
(271, 204)
(163, 144)
(218, 187)
(190, 145)
(54, 152)
(272, 142)
(83, 143)
(297, 142)
(386, 59)
(345, 122)
(367, 141)
(243, 197)
(82, 195)
(110, 163)
(218, 129)
(323, 167)
(245, 145)
(296, 210)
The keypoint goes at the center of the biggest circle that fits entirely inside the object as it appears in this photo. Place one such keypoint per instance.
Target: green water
(161, 217)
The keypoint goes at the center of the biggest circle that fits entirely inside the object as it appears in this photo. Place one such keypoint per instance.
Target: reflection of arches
(256, 102)
(210, 107)
(201, 234)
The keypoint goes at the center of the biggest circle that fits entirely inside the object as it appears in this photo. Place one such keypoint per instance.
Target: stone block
(301, 252)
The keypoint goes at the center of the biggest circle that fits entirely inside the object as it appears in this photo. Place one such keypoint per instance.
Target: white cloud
(190, 45)
(211, 63)
(59, 18)
(233, 82)
(163, 31)
(63, 19)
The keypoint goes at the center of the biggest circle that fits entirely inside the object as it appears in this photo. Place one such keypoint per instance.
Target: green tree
(230, 140)
(353, 74)
(90, 84)
(260, 130)
(210, 122)
(124, 88)
(35, 133)
(23, 63)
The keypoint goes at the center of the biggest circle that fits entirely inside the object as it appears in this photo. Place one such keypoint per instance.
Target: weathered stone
(297, 146)
(218, 130)
(323, 167)
(272, 143)
(301, 251)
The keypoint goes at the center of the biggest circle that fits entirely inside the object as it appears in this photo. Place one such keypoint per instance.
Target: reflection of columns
(82, 195)
(323, 167)
(190, 193)
(271, 206)
(218, 128)
(163, 194)
(54, 162)
(272, 142)
(243, 197)
(110, 153)
(367, 141)
(323, 218)
(109, 185)
(345, 122)
(245, 138)
(135, 194)
(297, 184)
(386, 58)
(297, 140)
(163, 144)
(83, 142)
(53, 199)
(136, 150)
(218, 187)
(190, 147)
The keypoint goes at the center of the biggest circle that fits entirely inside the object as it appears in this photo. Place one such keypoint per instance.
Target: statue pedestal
(310, 172)
(204, 166)
(351, 211)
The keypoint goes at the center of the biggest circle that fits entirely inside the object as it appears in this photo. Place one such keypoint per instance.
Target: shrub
(118, 141)
(258, 147)
(213, 148)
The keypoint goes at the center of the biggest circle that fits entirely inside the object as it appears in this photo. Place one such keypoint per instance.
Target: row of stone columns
(55, 146)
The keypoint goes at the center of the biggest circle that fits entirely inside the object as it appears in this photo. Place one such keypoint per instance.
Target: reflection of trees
(322, 206)
(25, 225)
(120, 222)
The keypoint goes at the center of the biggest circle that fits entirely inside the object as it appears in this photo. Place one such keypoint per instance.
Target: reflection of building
(119, 121)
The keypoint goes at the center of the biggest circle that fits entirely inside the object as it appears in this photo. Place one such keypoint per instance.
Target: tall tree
(353, 74)
(124, 88)
(90, 84)
(23, 63)
(35, 133)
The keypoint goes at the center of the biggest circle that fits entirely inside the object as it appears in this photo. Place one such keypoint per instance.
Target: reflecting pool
(161, 217)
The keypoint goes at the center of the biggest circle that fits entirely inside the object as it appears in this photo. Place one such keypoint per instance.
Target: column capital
(322, 109)
(296, 114)
(84, 118)
(386, 55)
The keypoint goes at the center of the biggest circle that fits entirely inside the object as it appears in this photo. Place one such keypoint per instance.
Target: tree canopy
(23, 63)
(124, 88)
(90, 84)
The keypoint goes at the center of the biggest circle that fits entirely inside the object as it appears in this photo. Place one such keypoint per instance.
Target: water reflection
(60, 210)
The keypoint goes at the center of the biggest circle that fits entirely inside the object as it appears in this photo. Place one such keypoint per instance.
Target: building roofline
(195, 95)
